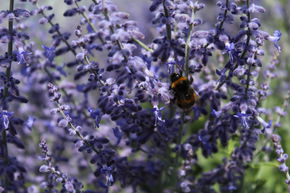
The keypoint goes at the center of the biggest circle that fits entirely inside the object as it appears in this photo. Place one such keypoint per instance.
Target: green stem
(85, 16)
(142, 45)
(105, 13)
(89, 22)
(248, 80)
(225, 15)
(73, 52)
(5, 153)
(65, 92)
(8, 75)
(221, 24)
(58, 33)
(249, 30)
(64, 40)
(246, 47)
(10, 48)
(168, 27)
(186, 65)
(177, 158)
(71, 125)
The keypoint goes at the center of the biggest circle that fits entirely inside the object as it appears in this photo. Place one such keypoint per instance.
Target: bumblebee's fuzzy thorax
(184, 96)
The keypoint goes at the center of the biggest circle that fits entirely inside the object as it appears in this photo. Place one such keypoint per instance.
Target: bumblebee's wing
(196, 96)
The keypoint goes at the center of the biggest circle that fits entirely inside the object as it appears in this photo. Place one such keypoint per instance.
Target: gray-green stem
(168, 27)
(246, 46)
(186, 64)
(6, 89)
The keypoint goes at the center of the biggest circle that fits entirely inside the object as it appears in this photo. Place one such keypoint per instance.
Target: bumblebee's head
(174, 77)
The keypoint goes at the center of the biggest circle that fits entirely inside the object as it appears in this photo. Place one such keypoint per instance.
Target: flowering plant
(92, 108)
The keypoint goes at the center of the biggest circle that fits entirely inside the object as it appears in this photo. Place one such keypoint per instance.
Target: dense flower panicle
(54, 175)
(100, 102)
(11, 170)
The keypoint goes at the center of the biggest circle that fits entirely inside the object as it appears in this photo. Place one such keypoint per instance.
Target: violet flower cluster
(89, 109)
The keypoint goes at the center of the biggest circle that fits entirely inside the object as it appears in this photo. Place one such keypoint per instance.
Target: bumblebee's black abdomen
(187, 100)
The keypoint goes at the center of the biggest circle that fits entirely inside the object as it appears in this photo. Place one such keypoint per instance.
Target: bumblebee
(184, 95)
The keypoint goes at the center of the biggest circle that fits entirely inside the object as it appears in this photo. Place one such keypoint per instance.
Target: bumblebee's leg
(173, 100)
